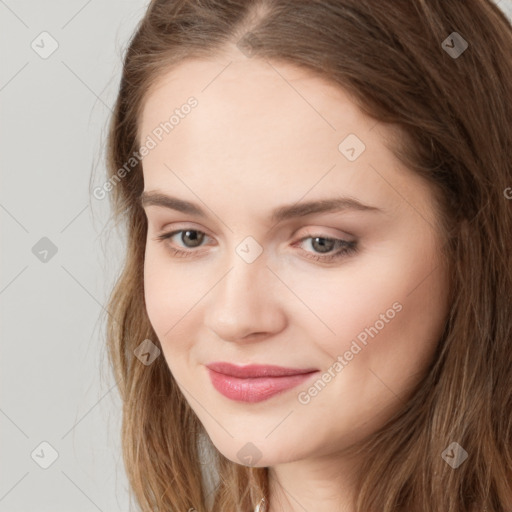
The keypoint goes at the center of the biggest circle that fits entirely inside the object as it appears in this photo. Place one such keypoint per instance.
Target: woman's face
(257, 140)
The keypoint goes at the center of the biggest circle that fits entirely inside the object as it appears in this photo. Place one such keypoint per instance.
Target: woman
(314, 311)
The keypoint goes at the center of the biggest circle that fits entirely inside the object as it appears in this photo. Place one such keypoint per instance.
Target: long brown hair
(403, 65)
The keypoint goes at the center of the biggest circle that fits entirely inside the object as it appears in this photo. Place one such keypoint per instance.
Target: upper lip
(256, 370)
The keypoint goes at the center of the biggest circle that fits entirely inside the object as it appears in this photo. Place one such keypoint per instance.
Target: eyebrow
(280, 214)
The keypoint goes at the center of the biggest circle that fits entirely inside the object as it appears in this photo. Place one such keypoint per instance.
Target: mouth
(255, 383)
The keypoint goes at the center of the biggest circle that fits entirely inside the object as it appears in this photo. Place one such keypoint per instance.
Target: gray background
(56, 386)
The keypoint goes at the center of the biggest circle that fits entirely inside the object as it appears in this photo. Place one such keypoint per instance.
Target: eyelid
(324, 232)
(311, 231)
(183, 226)
(345, 250)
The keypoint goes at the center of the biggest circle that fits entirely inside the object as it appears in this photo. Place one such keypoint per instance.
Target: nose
(246, 304)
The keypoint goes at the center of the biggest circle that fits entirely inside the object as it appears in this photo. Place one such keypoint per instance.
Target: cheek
(172, 295)
(163, 294)
(155, 286)
(388, 315)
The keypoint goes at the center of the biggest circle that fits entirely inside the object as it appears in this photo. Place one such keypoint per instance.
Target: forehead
(263, 128)
(286, 100)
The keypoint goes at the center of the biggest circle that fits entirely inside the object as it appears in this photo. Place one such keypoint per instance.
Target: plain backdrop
(59, 408)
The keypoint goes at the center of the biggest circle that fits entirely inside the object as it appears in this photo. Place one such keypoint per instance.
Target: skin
(265, 135)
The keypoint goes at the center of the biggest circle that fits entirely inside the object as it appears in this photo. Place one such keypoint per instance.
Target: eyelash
(347, 248)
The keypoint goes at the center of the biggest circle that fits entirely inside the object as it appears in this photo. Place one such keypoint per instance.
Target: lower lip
(254, 389)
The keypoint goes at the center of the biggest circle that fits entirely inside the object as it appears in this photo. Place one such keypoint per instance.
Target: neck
(321, 484)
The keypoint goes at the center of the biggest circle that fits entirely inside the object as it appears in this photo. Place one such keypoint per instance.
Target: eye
(326, 244)
(192, 238)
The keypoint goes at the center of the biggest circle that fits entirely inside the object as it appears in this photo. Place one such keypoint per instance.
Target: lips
(254, 383)
(256, 370)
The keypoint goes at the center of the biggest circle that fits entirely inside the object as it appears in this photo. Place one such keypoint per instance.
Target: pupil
(325, 246)
(194, 237)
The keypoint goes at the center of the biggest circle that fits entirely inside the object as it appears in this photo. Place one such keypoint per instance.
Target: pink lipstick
(255, 383)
